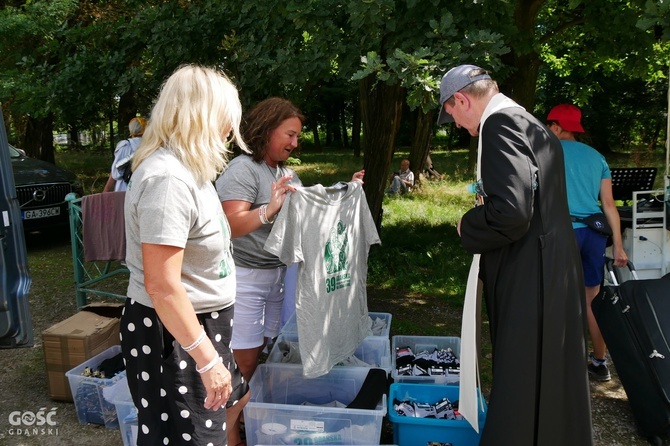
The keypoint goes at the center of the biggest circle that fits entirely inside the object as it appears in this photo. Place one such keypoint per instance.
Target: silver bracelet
(209, 366)
(196, 343)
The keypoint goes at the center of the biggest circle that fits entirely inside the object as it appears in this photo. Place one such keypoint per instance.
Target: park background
(366, 74)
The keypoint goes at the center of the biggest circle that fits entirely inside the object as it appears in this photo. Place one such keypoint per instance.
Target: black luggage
(634, 318)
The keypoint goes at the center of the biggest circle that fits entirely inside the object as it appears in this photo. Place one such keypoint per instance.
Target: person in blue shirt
(588, 180)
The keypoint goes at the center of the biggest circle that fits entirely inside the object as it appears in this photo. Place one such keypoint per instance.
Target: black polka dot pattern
(166, 389)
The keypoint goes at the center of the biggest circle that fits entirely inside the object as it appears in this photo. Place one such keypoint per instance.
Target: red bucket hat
(568, 116)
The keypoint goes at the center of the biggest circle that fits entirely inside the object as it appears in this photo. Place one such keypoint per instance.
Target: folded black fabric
(375, 385)
(112, 366)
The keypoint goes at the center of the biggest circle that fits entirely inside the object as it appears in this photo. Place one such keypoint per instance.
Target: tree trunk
(73, 137)
(38, 141)
(127, 111)
(343, 125)
(112, 146)
(423, 134)
(333, 132)
(381, 110)
(521, 85)
(315, 132)
(356, 129)
(472, 155)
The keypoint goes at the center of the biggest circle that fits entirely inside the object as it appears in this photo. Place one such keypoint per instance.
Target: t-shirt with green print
(165, 206)
(328, 232)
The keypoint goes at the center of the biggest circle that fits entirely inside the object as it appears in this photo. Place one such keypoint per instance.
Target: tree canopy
(87, 65)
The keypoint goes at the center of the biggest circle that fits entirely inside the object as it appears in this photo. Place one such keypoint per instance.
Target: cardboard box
(78, 338)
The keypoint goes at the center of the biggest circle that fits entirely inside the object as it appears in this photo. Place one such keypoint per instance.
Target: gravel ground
(23, 381)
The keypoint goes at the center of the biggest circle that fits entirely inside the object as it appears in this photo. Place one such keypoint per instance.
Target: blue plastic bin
(425, 431)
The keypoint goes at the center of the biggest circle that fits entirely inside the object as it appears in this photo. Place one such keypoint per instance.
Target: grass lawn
(419, 272)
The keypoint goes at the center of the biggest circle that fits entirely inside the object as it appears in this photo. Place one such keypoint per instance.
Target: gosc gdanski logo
(28, 423)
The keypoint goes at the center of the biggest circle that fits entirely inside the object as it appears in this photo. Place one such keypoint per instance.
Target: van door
(15, 325)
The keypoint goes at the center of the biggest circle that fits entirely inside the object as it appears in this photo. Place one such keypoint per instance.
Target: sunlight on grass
(420, 252)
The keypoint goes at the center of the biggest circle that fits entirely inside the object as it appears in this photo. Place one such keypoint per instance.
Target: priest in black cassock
(530, 268)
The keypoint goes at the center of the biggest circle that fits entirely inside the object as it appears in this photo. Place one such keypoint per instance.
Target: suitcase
(634, 318)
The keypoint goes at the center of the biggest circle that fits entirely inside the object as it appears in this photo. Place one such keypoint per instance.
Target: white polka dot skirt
(166, 389)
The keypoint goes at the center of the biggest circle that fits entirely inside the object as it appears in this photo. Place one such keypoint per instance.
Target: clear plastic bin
(89, 401)
(375, 351)
(127, 415)
(119, 395)
(286, 408)
(291, 325)
(426, 431)
(429, 343)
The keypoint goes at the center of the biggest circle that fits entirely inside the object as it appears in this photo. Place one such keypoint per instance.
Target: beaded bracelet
(263, 215)
(196, 343)
(209, 366)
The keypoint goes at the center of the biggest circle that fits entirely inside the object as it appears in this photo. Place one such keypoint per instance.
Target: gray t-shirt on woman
(246, 180)
(165, 206)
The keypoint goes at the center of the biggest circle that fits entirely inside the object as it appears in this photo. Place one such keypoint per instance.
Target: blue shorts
(592, 250)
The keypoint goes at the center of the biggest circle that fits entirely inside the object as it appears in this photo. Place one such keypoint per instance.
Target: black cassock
(533, 287)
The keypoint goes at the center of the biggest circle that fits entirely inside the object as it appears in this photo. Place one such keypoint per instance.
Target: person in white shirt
(123, 156)
(402, 181)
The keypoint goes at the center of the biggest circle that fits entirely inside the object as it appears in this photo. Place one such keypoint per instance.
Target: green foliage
(292, 161)
(396, 53)
(78, 60)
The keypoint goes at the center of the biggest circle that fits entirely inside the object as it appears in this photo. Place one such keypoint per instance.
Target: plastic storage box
(423, 343)
(291, 325)
(286, 408)
(373, 350)
(119, 395)
(89, 401)
(127, 415)
(428, 431)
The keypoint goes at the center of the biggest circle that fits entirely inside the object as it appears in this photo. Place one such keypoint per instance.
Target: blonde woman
(177, 321)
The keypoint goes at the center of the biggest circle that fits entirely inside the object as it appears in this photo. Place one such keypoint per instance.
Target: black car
(41, 188)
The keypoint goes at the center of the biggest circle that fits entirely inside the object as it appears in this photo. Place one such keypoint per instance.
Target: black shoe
(599, 373)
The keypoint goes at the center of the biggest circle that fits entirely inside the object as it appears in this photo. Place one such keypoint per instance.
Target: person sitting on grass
(401, 181)
(429, 170)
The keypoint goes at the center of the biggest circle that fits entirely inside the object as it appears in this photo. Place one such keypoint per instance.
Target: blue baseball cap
(454, 81)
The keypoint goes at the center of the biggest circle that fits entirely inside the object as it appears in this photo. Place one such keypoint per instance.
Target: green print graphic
(336, 258)
(225, 268)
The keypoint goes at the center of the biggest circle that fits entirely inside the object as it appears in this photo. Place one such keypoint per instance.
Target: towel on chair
(103, 226)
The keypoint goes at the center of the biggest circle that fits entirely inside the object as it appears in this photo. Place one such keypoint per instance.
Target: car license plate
(41, 213)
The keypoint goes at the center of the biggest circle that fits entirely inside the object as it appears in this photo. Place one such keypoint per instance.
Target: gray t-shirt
(246, 180)
(328, 232)
(165, 206)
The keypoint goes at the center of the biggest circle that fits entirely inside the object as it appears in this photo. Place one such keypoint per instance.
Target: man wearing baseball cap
(529, 265)
(588, 180)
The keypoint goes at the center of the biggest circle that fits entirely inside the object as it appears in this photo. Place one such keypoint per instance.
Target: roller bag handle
(613, 271)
